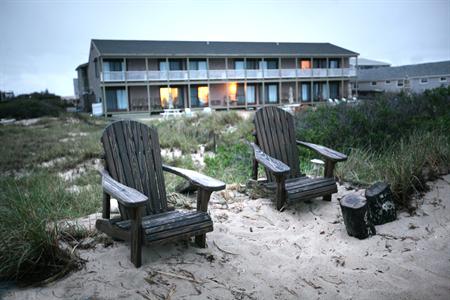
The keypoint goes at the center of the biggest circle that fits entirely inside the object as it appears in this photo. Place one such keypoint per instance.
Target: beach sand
(256, 252)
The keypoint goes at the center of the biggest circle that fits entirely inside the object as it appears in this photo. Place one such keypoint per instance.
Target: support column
(312, 91)
(207, 78)
(263, 83)
(148, 87)
(296, 81)
(245, 83)
(188, 68)
(356, 77)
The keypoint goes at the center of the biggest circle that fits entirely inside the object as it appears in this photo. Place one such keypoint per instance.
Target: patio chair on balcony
(276, 148)
(133, 175)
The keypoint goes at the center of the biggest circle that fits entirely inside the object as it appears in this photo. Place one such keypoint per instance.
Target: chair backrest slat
(275, 134)
(133, 157)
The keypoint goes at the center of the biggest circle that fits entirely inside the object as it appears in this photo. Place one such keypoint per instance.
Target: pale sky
(42, 42)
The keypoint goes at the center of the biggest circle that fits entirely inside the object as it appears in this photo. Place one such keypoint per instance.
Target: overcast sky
(42, 42)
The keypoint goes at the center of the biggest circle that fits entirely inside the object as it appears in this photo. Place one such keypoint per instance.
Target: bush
(32, 106)
(375, 124)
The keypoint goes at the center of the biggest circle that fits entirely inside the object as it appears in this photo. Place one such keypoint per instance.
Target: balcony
(183, 75)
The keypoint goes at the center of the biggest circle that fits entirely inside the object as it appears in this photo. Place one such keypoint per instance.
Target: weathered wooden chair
(134, 176)
(276, 149)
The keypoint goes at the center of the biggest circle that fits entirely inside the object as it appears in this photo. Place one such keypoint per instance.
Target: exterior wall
(218, 94)
(288, 63)
(137, 96)
(217, 64)
(94, 79)
(136, 64)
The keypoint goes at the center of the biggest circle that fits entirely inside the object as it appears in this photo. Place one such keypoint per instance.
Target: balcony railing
(117, 76)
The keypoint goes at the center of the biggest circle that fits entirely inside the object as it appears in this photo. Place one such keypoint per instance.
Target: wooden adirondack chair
(134, 176)
(276, 149)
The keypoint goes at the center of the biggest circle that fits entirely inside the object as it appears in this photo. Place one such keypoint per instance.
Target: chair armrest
(328, 153)
(274, 165)
(127, 196)
(202, 181)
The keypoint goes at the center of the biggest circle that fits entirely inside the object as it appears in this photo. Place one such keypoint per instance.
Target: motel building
(149, 76)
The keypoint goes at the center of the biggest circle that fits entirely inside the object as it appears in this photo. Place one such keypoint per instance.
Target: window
(197, 65)
(423, 80)
(305, 64)
(387, 82)
(272, 93)
(252, 64)
(443, 79)
(399, 83)
(272, 63)
(169, 97)
(199, 96)
(251, 95)
(116, 99)
(239, 64)
(174, 65)
(333, 63)
(373, 83)
(306, 92)
(320, 63)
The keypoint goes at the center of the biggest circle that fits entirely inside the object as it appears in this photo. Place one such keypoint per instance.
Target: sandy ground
(256, 252)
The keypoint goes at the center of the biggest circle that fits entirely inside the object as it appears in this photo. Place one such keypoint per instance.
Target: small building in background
(409, 78)
(6, 95)
(364, 63)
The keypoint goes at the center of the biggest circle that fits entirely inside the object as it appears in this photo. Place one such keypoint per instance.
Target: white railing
(304, 73)
(335, 72)
(114, 76)
(271, 73)
(254, 73)
(217, 74)
(156, 75)
(288, 73)
(178, 75)
(236, 74)
(319, 72)
(198, 74)
(225, 74)
(136, 75)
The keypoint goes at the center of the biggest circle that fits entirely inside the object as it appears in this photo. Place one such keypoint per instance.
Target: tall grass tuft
(406, 165)
(29, 208)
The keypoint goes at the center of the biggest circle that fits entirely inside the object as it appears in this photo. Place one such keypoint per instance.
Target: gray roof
(368, 62)
(401, 72)
(183, 48)
(82, 66)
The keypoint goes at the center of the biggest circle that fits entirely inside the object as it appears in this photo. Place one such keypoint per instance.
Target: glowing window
(305, 64)
(203, 95)
(169, 97)
(232, 91)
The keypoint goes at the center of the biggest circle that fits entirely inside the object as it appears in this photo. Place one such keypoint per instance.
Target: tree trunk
(356, 216)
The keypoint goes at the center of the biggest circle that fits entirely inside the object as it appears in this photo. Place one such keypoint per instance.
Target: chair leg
(200, 240)
(136, 236)
(327, 198)
(281, 192)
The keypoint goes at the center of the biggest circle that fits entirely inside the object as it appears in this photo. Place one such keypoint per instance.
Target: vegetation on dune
(33, 106)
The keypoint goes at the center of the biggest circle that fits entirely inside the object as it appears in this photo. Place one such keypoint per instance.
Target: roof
(82, 66)
(401, 72)
(183, 48)
(369, 62)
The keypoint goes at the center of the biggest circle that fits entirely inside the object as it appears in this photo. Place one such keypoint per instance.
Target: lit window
(305, 64)
(373, 83)
(424, 80)
(232, 91)
(169, 97)
(443, 79)
(203, 95)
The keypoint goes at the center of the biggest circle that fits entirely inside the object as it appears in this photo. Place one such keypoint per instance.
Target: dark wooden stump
(381, 204)
(356, 216)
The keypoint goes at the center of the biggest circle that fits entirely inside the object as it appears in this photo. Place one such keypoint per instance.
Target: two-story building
(137, 76)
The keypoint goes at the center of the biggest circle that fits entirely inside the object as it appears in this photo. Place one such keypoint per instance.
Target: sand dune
(256, 252)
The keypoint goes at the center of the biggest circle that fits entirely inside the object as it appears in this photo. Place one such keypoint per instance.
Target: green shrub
(32, 106)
